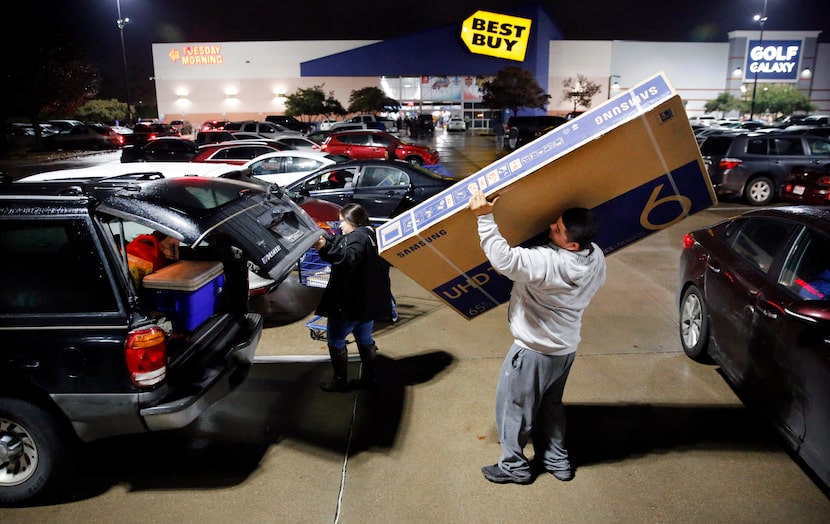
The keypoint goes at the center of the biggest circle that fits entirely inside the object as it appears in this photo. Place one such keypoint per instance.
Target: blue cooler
(185, 291)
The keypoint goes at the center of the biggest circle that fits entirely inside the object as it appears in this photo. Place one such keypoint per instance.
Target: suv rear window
(193, 198)
(716, 145)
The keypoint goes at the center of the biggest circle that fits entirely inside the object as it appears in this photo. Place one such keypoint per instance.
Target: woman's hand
(320, 243)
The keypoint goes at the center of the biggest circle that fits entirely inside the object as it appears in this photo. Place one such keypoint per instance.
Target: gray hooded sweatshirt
(551, 288)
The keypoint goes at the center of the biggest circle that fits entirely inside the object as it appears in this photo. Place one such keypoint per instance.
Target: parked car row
(385, 188)
(93, 137)
(403, 185)
(213, 146)
(753, 166)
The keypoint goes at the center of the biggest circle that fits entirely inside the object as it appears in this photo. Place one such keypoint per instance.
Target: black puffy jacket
(358, 287)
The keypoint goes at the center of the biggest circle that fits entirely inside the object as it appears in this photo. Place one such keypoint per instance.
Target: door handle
(767, 312)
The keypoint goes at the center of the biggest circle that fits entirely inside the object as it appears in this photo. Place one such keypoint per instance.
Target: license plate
(798, 190)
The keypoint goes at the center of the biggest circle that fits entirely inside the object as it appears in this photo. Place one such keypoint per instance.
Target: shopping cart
(314, 272)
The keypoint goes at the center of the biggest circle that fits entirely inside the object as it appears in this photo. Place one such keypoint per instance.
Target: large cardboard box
(633, 159)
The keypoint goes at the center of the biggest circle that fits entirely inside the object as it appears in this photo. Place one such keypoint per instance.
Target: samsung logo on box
(772, 60)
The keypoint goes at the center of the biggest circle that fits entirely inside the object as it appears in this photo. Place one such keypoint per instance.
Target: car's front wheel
(759, 191)
(31, 450)
(694, 325)
(415, 160)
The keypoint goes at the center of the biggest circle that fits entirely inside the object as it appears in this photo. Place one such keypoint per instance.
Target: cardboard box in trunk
(633, 159)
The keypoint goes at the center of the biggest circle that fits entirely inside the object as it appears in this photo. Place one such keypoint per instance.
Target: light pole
(121, 22)
(610, 85)
(761, 19)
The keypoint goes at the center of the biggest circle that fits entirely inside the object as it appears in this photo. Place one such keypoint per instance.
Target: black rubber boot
(368, 357)
(340, 363)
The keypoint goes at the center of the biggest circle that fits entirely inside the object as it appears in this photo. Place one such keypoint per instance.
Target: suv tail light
(729, 163)
(146, 354)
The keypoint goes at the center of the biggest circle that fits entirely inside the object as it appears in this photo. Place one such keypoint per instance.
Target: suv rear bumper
(97, 416)
(218, 382)
(732, 183)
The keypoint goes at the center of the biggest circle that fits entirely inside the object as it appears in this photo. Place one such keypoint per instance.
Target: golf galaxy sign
(497, 35)
(773, 60)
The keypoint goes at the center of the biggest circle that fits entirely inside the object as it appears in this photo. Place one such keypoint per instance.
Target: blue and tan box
(185, 291)
(633, 159)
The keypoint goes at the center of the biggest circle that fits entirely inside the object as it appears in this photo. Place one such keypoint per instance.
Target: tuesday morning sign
(772, 60)
(492, 34)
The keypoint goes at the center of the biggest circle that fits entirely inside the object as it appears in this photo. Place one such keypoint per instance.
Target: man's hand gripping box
(633, 160)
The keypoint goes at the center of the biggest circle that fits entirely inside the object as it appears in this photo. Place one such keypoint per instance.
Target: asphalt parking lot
(655, 437)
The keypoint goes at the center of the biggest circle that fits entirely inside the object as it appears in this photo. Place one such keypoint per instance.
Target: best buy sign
(496, 35)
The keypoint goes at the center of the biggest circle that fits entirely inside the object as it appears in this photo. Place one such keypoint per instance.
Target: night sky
(89, 25)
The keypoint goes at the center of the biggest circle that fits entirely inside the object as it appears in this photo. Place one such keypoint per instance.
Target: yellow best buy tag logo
(497, 35)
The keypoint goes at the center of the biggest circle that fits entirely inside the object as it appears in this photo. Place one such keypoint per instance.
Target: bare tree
(580, 91)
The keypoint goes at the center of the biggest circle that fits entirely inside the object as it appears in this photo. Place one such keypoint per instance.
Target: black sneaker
(495, 474)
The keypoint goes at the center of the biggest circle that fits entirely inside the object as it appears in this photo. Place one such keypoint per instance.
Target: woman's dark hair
(581, 225)
(355, 215)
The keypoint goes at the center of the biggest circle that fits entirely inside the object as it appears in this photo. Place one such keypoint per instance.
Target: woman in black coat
(358, 293)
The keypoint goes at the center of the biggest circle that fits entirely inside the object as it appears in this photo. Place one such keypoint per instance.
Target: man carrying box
(552, 286)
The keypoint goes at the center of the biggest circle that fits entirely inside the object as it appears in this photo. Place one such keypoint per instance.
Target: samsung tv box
(634, 160)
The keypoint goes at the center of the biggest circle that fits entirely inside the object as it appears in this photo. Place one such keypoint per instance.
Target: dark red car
(807, 185)
(213, 125)
(237, 152)
(754, 298)
(368, 143)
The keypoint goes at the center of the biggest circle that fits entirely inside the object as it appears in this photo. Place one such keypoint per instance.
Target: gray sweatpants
(529, 405)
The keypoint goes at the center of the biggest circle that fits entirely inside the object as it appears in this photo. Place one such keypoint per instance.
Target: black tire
(415, 160)
(31, 450)
(759, 191)
(694, 325)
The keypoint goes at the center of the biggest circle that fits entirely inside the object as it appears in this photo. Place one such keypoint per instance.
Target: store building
(435, 71)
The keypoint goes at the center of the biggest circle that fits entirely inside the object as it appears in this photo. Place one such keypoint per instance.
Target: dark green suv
(101, 336)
